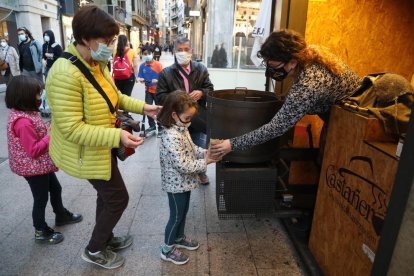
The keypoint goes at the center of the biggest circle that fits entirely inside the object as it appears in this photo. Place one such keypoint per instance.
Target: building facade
(36, 15)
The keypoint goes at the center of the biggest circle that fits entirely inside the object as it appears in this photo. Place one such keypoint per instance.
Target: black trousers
(126, 86)
(110, 205)
(41, 186)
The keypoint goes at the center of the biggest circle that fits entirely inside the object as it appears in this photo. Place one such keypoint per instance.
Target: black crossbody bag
(122, 152)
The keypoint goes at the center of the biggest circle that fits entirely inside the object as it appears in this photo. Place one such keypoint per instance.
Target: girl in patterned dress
(181, 162)
(28, 144)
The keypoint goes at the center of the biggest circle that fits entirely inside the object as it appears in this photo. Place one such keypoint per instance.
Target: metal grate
(245, 189)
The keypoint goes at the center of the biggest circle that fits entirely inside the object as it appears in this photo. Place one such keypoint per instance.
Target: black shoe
(48, 236)
(67, 218)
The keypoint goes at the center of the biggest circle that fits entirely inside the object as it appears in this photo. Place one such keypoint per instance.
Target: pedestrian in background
(9, 61)
(215, 58)
(148, 74)
(222, 57)
(28, 147)
(84, 138)
(30, 52)
(181, 161)
(157, 51)
(192, 77)
(125, 66)
(51, 50)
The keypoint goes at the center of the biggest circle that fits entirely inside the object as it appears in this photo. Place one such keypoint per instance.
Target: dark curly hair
(284, 45)
(178, 102)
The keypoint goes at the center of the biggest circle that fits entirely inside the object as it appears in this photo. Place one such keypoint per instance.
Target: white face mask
(183, 58)
(181, 124)
(3, 44)
(46, 38)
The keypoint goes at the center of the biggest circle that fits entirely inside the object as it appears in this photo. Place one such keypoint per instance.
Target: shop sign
(358, 196)
(194, 13)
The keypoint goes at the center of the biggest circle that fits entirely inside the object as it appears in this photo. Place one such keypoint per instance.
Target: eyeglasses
(112, 42)
(265, 63)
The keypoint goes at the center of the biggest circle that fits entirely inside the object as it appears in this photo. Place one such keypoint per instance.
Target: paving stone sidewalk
(253, 246)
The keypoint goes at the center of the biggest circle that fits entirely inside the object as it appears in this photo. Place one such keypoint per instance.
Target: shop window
(230, 39)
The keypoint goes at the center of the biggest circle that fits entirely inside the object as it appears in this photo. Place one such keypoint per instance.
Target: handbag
(123, 120)
(3, 63)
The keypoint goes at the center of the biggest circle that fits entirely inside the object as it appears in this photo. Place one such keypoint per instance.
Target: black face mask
(277, 74)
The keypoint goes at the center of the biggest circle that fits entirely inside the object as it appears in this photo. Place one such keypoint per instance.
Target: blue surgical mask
(103, 53)
(46, 38)
(22, 37)
(148, 58)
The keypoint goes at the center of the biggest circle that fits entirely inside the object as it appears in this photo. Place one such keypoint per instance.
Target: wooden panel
(305, 172)
(370, 35)
(354, 189)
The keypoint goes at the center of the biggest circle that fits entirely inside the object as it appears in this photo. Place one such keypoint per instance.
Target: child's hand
(154, 81)
(211, 159)
(130, 141)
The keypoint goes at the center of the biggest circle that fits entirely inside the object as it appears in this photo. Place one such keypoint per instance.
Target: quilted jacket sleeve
(65, 95)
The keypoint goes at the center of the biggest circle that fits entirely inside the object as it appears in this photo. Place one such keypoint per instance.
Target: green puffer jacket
(81, 135)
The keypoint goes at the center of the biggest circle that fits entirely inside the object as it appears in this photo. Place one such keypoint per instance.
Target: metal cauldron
(233, 112)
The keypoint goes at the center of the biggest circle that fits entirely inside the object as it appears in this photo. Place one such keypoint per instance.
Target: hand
(129, 140)
(49, 55)
(154, 81)
(152, 110)
(196, 94)
(219, 148)
(141, 80)
(210, 159)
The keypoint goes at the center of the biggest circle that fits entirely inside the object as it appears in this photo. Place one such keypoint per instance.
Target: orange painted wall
(369, 35)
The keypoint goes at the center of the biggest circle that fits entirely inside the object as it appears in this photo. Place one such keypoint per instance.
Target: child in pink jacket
(28, 146)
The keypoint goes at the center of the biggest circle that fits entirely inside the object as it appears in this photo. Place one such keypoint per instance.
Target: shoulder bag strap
(75, 61)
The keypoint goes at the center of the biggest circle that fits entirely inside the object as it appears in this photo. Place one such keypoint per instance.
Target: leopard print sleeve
(297, 104)
(313, 92)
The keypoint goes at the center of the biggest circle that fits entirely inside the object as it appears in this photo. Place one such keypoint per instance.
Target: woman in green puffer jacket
(83, 131)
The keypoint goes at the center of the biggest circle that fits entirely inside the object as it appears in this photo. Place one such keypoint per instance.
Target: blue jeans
(199, 138)
(179, 204)
(150, 99)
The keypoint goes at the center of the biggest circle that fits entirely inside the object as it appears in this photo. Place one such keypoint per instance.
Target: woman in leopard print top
(319, 80)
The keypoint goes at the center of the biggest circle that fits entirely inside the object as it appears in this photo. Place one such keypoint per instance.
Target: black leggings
(126, 86)
(41, 186)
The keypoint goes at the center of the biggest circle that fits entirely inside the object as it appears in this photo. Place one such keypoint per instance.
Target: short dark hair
(178, 102)
(92, 22)
(21, 93)
(148, 50)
